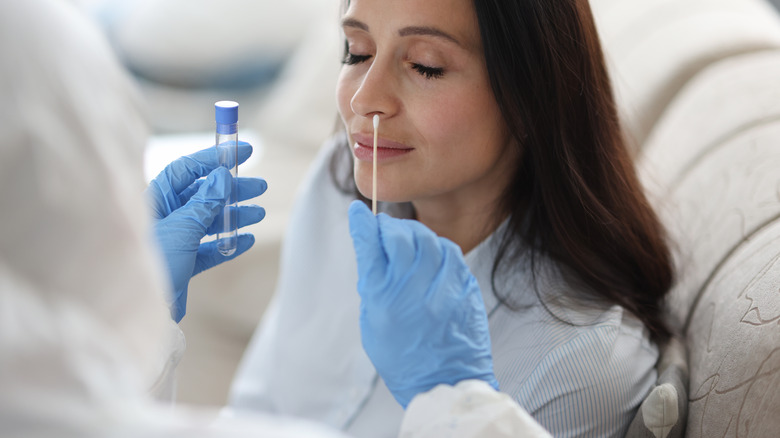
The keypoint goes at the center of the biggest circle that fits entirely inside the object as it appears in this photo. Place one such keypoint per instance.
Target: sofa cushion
(724, 100)
(712, 165)
(711, 169)
(734, 343)
(654, 47)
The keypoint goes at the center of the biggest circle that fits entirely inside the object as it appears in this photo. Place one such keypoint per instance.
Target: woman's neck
(470, 214)
(465, 223)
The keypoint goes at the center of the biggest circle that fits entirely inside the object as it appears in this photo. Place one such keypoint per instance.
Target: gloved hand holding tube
(186, 208)
(422, 318)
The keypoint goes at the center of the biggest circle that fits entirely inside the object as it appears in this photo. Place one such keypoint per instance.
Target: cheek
(456, 122)
(465, 135)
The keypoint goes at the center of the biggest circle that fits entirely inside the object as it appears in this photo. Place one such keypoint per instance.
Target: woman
(498, 132)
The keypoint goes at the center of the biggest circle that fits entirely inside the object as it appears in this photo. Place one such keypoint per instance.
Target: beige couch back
(698, 84)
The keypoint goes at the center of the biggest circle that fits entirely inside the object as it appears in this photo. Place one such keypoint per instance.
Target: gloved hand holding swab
(373, 183)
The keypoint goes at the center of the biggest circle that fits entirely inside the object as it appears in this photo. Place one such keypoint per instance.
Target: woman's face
(419, 65)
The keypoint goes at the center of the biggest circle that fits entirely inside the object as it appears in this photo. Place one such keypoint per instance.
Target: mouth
(386, 150)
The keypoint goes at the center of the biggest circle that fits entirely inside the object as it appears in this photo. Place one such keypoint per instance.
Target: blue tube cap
(226, 112)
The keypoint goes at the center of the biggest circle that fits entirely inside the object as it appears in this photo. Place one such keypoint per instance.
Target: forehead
(455, 17)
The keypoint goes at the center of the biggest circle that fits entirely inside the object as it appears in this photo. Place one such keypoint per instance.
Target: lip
(386, 149)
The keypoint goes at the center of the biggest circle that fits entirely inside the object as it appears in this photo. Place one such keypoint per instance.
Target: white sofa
(698, 83)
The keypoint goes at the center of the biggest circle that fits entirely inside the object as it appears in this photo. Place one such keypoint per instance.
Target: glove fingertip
(259, 213)
(358, 207)
(255, 186)
(244, 151)
(245, 241)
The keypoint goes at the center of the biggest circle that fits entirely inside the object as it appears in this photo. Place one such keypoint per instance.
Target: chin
(363, 180)
(385, 192)
(382, 195)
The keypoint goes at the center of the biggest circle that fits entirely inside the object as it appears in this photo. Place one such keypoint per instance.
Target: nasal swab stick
(373, 185)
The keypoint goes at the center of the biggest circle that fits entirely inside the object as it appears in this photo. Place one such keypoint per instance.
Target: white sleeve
(472, 408)
(163, 389)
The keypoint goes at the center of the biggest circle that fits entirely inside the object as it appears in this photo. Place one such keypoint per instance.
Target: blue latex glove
(184, 207)
(422, 318)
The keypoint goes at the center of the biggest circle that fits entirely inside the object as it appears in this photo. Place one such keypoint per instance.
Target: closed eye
(352, 59)
(428, 72)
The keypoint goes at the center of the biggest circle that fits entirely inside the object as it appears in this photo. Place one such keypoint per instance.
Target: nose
(375, 94)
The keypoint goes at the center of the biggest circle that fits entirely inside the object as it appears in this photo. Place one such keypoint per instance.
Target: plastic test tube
(226, 115)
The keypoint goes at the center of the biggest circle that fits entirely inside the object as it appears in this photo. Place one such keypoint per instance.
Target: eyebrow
(351, 22)
(428, 31)
(406, 31)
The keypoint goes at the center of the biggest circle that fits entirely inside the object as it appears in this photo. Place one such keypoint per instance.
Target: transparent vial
(226, 115)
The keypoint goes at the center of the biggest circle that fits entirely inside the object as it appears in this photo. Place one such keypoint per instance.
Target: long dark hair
(575, 196)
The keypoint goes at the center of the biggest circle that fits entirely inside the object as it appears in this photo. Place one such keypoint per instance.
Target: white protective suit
(85, 333)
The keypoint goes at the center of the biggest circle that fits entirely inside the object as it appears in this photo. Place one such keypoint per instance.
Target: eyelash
(427, 72)
(352, 59)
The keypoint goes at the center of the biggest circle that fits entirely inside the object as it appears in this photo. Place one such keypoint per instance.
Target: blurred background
(280, 61)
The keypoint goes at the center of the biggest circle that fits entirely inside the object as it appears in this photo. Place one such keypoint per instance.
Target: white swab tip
(376, 121)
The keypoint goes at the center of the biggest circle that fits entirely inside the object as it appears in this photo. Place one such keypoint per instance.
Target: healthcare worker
(87, 342)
